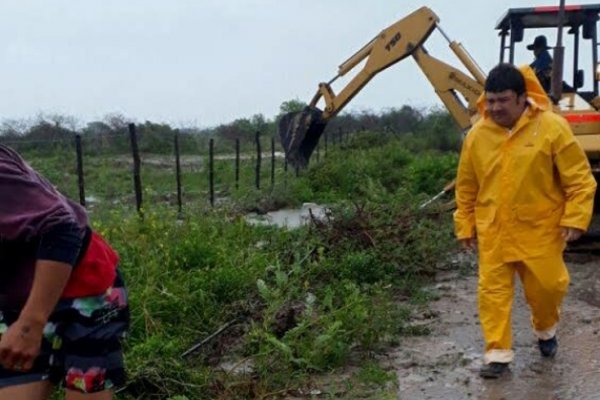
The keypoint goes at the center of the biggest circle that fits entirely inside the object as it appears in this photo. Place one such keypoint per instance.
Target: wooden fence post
(258, 159)
(237, 163)
(211, 171)
(178, 173)
(80, 181)
(272, 163)
(137, 180)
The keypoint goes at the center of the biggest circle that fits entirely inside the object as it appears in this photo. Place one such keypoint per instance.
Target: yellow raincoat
(514, 191)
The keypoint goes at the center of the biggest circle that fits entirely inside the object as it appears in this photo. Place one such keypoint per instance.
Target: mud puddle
(444, 365)
(289, 218)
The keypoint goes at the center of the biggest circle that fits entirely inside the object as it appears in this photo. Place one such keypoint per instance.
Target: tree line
(427, 128)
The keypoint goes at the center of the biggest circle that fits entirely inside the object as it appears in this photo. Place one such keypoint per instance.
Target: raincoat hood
(536, 96)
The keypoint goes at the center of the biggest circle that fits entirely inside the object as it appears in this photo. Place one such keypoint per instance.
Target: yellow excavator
(300, 132)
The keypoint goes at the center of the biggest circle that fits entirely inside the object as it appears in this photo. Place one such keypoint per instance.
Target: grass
(300, 302)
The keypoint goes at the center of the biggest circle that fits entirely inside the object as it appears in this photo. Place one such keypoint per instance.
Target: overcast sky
(205, 62)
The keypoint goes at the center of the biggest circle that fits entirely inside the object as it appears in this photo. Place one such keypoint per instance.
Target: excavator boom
(300, 132)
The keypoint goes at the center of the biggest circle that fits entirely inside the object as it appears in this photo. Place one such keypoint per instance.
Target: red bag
(96, 271)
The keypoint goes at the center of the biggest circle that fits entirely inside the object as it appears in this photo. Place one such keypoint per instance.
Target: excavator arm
(300, 132)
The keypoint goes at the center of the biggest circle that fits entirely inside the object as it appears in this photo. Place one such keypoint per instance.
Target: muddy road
(445, 364)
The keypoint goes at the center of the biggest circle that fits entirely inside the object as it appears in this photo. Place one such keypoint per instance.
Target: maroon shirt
(31, 209)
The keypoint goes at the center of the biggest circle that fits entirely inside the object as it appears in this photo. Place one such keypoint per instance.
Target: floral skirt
(81, 348)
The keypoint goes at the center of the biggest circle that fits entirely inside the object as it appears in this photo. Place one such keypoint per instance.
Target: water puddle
(290, 217)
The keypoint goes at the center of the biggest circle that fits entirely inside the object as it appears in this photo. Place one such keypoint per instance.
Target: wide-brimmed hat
(539, 42)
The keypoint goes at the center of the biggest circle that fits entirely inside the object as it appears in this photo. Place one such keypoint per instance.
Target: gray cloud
(206, 62)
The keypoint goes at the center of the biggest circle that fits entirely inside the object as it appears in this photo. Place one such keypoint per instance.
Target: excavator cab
(581, 22)
(577, 91)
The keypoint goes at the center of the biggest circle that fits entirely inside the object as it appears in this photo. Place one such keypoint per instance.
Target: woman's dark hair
(505, 77)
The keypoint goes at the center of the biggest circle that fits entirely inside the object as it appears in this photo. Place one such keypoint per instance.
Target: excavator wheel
(299, 133)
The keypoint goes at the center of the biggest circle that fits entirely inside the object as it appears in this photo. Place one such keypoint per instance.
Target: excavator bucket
(299, 133)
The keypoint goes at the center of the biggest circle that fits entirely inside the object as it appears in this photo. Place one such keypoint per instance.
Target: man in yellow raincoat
(524, 188)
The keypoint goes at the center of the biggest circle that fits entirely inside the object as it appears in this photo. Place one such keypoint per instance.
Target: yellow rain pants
(515, 190)
(545, 282)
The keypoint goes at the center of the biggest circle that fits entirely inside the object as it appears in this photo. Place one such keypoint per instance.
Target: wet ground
(444, 365)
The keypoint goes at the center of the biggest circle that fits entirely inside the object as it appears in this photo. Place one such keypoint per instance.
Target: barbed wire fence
(125, 169)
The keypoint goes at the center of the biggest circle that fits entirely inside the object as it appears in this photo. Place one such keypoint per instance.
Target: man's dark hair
(505, 77)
